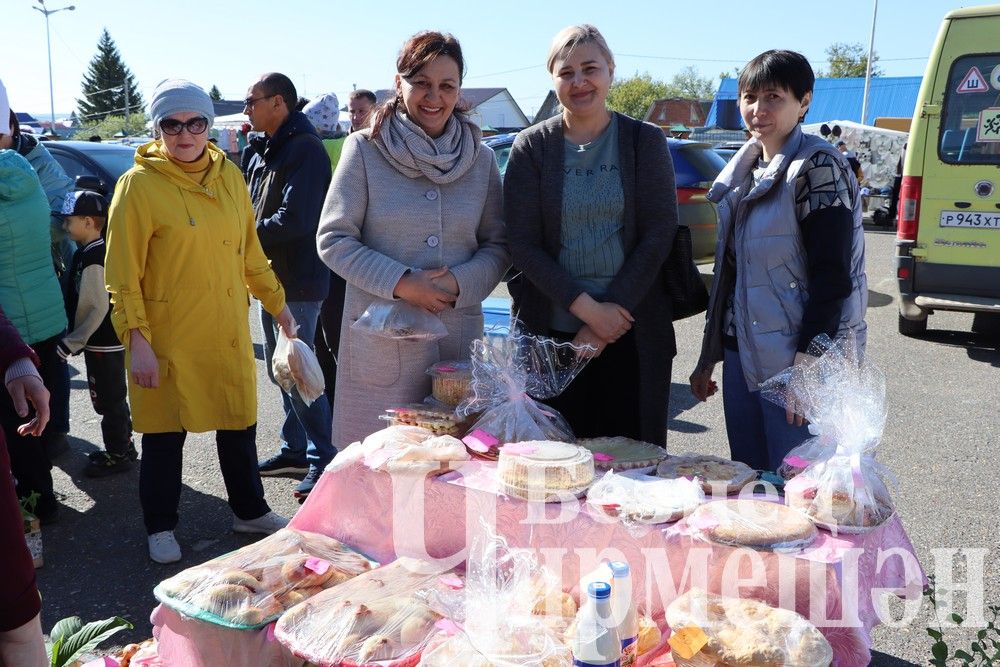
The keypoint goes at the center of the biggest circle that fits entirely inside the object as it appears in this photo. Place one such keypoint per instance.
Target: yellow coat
(180, 260)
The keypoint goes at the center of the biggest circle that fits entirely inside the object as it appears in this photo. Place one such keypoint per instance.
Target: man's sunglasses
(172, 126)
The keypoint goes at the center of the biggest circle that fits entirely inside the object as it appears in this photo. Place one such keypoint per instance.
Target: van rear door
(960, 199)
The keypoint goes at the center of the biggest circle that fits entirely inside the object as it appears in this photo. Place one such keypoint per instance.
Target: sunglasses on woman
(172, 126)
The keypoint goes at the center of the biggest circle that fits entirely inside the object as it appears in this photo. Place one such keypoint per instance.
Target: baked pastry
(833, 506)
(649, 636)
(544, 470)
(748, 633)
(621, 453)
(715, 474)
(753, 523)
(438, 420)
(450, 381)
(254, 585)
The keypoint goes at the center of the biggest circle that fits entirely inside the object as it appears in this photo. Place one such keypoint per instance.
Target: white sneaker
(265, 525)
(163, 547)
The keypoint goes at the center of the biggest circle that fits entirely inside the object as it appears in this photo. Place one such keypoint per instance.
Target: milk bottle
(596, 643)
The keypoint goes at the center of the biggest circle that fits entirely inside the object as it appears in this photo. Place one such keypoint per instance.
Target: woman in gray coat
(413, 213)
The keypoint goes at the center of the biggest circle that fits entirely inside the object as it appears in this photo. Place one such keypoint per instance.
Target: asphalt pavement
(941, 442)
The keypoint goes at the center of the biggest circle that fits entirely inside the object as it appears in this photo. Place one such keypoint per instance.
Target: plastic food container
(544, 470)
(450, 381)
(439, 420)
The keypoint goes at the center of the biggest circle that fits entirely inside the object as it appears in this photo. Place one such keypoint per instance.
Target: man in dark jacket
(288, 173)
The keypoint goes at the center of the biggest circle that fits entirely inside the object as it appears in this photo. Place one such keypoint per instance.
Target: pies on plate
(714, 473)
(753, 523)
(621, 453)
(744, 633)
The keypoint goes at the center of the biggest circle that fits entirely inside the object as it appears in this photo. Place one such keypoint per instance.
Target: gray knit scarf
(443, 160)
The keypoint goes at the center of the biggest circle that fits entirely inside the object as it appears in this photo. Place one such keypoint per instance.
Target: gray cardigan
(377, 224)
(533, 187)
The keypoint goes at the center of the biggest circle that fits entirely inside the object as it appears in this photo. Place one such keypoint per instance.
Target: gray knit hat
(176, 96)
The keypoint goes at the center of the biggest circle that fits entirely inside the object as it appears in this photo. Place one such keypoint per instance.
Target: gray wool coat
(377, 224)
(533, 188)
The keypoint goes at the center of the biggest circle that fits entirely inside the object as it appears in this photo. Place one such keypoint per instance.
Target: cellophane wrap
(637, 502)
(511, 612)
(252, 586)
(400, 320)
(745, 632)
(510, 375)
(842, 395)
(384, 617)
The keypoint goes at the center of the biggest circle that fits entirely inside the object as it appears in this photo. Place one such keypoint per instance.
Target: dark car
(93, 166)
(695, 167)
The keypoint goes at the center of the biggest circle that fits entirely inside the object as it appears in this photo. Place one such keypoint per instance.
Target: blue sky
(332, 46)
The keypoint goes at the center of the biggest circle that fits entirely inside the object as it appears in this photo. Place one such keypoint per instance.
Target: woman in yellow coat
(182, 252)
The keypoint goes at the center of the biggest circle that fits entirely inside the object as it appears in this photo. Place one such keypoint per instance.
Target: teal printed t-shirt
(593, 210)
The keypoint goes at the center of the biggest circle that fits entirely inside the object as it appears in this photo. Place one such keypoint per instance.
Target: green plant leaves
(71, 638)
(940, 651)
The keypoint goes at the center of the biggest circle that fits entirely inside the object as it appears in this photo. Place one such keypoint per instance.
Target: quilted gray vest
(771, 286)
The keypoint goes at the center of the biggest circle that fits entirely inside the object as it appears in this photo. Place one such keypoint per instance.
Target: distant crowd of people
(409, 206)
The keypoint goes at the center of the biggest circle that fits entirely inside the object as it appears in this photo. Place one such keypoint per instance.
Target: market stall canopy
(832, 98)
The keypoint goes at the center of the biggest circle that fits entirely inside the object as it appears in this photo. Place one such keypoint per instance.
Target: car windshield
(116, 162)
(970, 119)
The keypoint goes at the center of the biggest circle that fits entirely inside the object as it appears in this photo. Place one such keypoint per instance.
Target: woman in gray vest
(789, 261)
(591, 211)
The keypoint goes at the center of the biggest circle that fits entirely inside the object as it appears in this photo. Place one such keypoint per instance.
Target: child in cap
(88, 307)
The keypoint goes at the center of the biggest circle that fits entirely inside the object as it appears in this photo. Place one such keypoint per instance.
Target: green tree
(109, 126)
(108, 86)
(689, 84)
(214, 93)
(634, 95)
(847, 60)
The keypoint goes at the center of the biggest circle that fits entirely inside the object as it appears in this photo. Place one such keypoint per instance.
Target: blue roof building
(833, 99)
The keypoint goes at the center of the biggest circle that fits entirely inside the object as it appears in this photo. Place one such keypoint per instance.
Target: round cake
(621, 453)
(544, 469)
(714, 473)
(753, 523)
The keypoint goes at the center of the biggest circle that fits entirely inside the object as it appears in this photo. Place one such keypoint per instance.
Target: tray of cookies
(253, 586)
(382, 618)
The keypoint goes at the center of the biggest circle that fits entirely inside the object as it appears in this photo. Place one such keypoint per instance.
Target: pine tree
(215, 94)
(105, 83)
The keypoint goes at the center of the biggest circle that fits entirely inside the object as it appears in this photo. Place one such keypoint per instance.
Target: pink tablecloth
(384, 516)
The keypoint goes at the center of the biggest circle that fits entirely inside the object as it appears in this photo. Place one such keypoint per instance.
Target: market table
(837, 582)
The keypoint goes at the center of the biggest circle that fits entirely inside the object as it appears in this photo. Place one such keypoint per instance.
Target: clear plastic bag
(398, 448)
(254, 585)
(644, 501)
(294, 364)
(400, 320)
(382, 617)
(837, 480)
(510, 612)
(510, 375)
(753, 523)
(734, 631)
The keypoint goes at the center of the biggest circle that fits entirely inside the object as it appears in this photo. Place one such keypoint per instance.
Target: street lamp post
(48, 43)
(868, 69)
